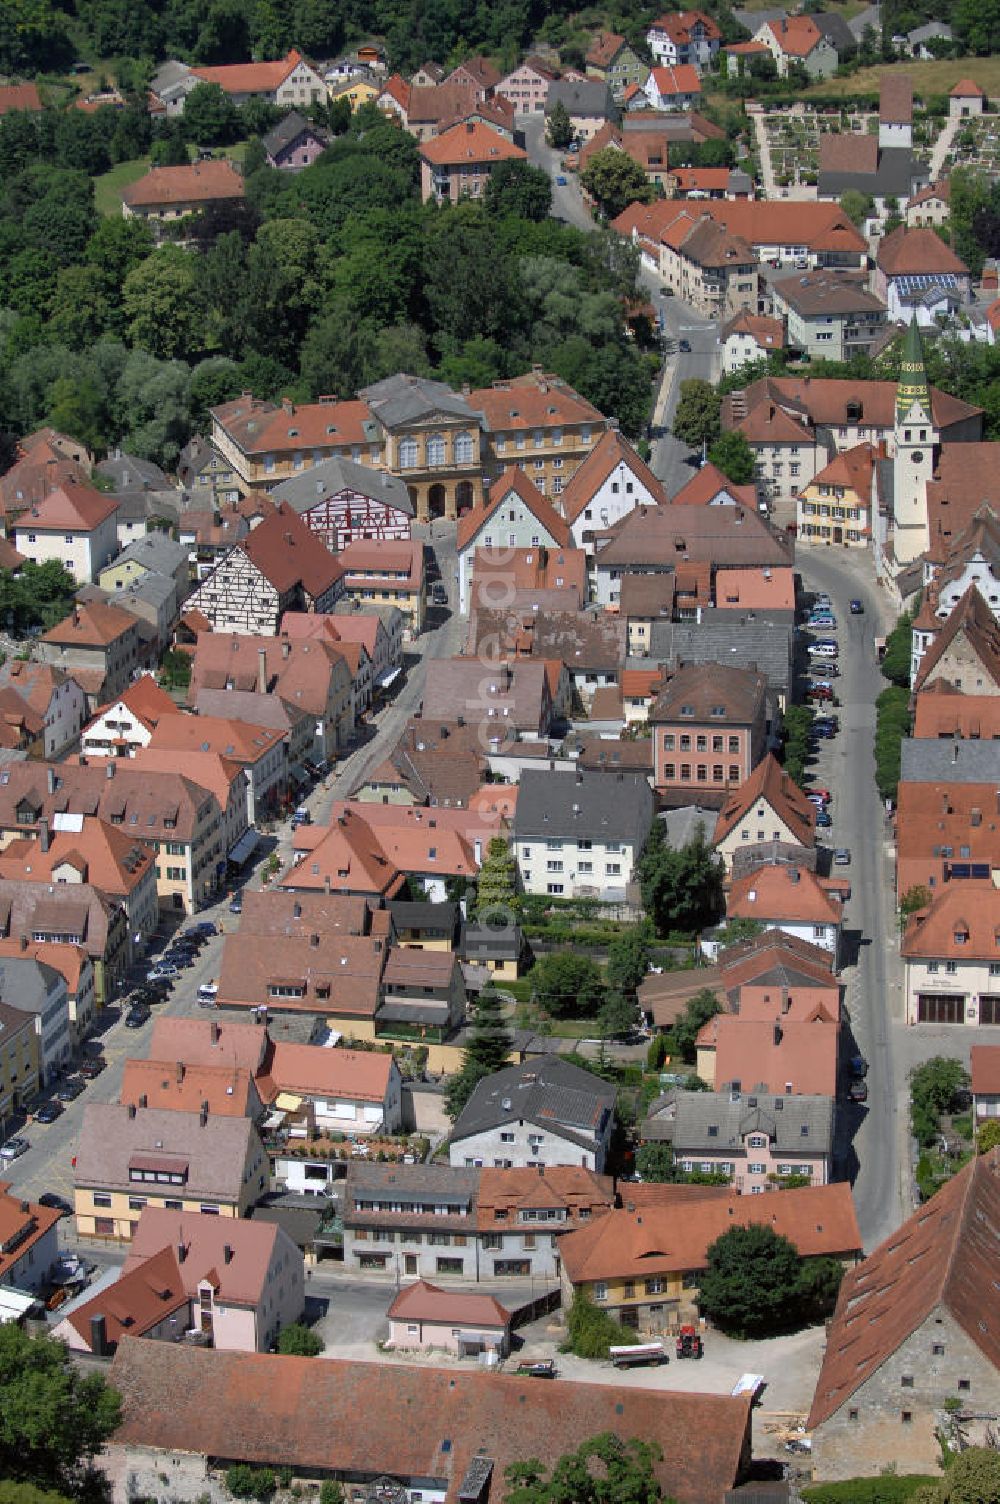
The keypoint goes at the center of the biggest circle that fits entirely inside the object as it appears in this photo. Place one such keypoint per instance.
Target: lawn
(936, 77)
(108, 187)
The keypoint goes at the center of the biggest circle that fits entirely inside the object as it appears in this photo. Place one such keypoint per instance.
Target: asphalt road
(671, 462)
(871, 1144)
(48, 1164)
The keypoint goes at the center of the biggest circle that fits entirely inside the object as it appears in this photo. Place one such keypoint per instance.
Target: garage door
(989, 1010)
(940, 1010)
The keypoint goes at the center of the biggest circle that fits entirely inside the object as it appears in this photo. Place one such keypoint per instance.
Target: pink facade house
(710, 728)
(425, 1316)
(293, 144)
(234, 1282)
(527, 87)
(458, 163)
(756, 1138)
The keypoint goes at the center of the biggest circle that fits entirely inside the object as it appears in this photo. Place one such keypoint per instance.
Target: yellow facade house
(132, 1157)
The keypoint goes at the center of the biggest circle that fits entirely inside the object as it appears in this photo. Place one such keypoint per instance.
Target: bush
(892, 724)
(890, 1488)
(331, 1493)
(246, 1482)
(300, 1341)
(592, 1331)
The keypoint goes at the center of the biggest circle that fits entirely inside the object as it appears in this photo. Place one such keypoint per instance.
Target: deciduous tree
(559, 127)
(605, 1470)
(696, 421)
(614, 181)
(567, 985)
(732, 454)
(53, 1418)
(681, 886)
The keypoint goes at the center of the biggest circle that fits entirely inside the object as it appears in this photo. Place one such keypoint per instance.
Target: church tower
(914, 438)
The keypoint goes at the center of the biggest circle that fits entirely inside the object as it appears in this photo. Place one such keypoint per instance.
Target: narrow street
(872, 1138)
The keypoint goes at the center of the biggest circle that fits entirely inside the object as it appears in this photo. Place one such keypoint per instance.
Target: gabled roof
(210, 1042)
(604, 48)
(288, 553)
(852, 469)
(334, 476)
(610, 451)
(703, 692)
(708, 485)
(22, 1223)
(769, 334)
(536, 400)
(681, 78)
(92, 625)
(944, 1257)
(679, 25)
(513, 479)
(973, 620)
(963, 485)
(286, 131)
(179, 1087)
(895, 99)
(259, 427)
(239, 1277)
(145, 700)
(770, 782)
(796, 36)
(547, 1091)
(961, 923)
(251, 78)
(142, 1296)
(439, 1424)
(967, 88)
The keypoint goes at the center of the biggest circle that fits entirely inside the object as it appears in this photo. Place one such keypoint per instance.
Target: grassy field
(108, 187)
(928, 78)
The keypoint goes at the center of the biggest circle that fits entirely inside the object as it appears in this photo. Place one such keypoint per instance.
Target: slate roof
(728, 637)
(285, 132)
(892, 172)
(414, 1422)
(547, 1091)
(593, 805)
(946, 1255)
(401, 400)
(156, 551)
(944, 760)
(330, 477)
(711, 1119)
(583, 96)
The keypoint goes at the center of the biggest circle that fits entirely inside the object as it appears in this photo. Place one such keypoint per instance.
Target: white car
(822, 650)
(208, 989)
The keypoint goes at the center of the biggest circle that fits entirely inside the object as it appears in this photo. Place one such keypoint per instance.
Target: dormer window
(961, 936)
(687, 710)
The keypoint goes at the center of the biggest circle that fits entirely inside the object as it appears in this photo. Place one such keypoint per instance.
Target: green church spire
(912, 385)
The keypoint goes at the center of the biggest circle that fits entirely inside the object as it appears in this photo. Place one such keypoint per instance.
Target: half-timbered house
(341, 502)
(280, 566)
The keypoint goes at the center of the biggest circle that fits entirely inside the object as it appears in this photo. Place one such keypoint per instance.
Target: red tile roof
(962, 923)
(22, 1224)
(251, 78)
(944, 711)
(610, 451)
(264, 428)
(144, 1295)
(425, 1302)
(917, 251)
(229, 1092)
(470, 142)
(895, 102)
(310, 1070)
(819, 1220)
(71, 507)
(985, 1069)
(755, 589)
(769, 782)
(91, 624)
(794, 894)
(795, 35)
(604, 48)
(943, 1258)
(967, 88)
(852, 469)
(973, 623)
(213, 1042)
(287, 552)
(678, 25)
(200, 182)
(801, 1053)
(19, 97)
(707, 483)
(682, 78)
(239, 1280)
(321, 1416)
(536, 400)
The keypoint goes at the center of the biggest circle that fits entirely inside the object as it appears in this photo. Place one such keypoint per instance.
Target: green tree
(604, 1470)
(977, 23)
(300, 1341)
(487, 1051)
(559, 127)
(175, 669)
(696, 421)
(913, 900)
(655, 1162)
(330, 1492)
(614, 181)
(732, 454)
(797, 731)
(567, 985)
(54, 1419)
(750, 1284)
(973, 1477)
(697, 1012)
(898, 649)
(518, 188)
(496, 887)
(160, 303)
(935, 1088)
(591, 1331)
(857, 206)
(628, 958)
(246, 1482)
(28, 1493)
(681, 886)
(892, 725)
(210, 116)
(619, 1015)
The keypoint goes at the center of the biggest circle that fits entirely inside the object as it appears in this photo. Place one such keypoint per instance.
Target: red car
(823, 795)
(819, 692)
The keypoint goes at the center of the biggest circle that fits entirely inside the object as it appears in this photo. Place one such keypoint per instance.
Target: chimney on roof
(286, 649)
(109, 771)
(287, 405)
(215, 1031)
(203, 1114)
(43, 833)
(182, 1252)
(262, 671)
(326, 884)
(179, 1071)
(24, 942)
(227, 1253)
(50, 779)
(99, 1336)
(469, 127)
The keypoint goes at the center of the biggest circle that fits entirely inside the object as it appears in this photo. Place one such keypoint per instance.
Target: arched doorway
(465, 496)
(436, 501)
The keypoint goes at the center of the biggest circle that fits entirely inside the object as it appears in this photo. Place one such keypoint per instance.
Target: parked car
(70, 1090)
(204, 927)
(842, 857)
(824, 729)
(439, 595)
(92, 1067)
(827, 622)
(684, 346)
(14, 1148)
(822, 649)
(137, 1016)
(859, 1065)
(819, 692)
(208, 989)
(236, 905)
(48, 1112)
(821, 600)
(163, 971)
(823, 819)
(823, 795)
(823, 671)
(55, 1203)
(858, 1091)
(857, 608)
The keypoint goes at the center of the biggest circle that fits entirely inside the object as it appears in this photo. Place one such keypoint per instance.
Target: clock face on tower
(918, 456)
